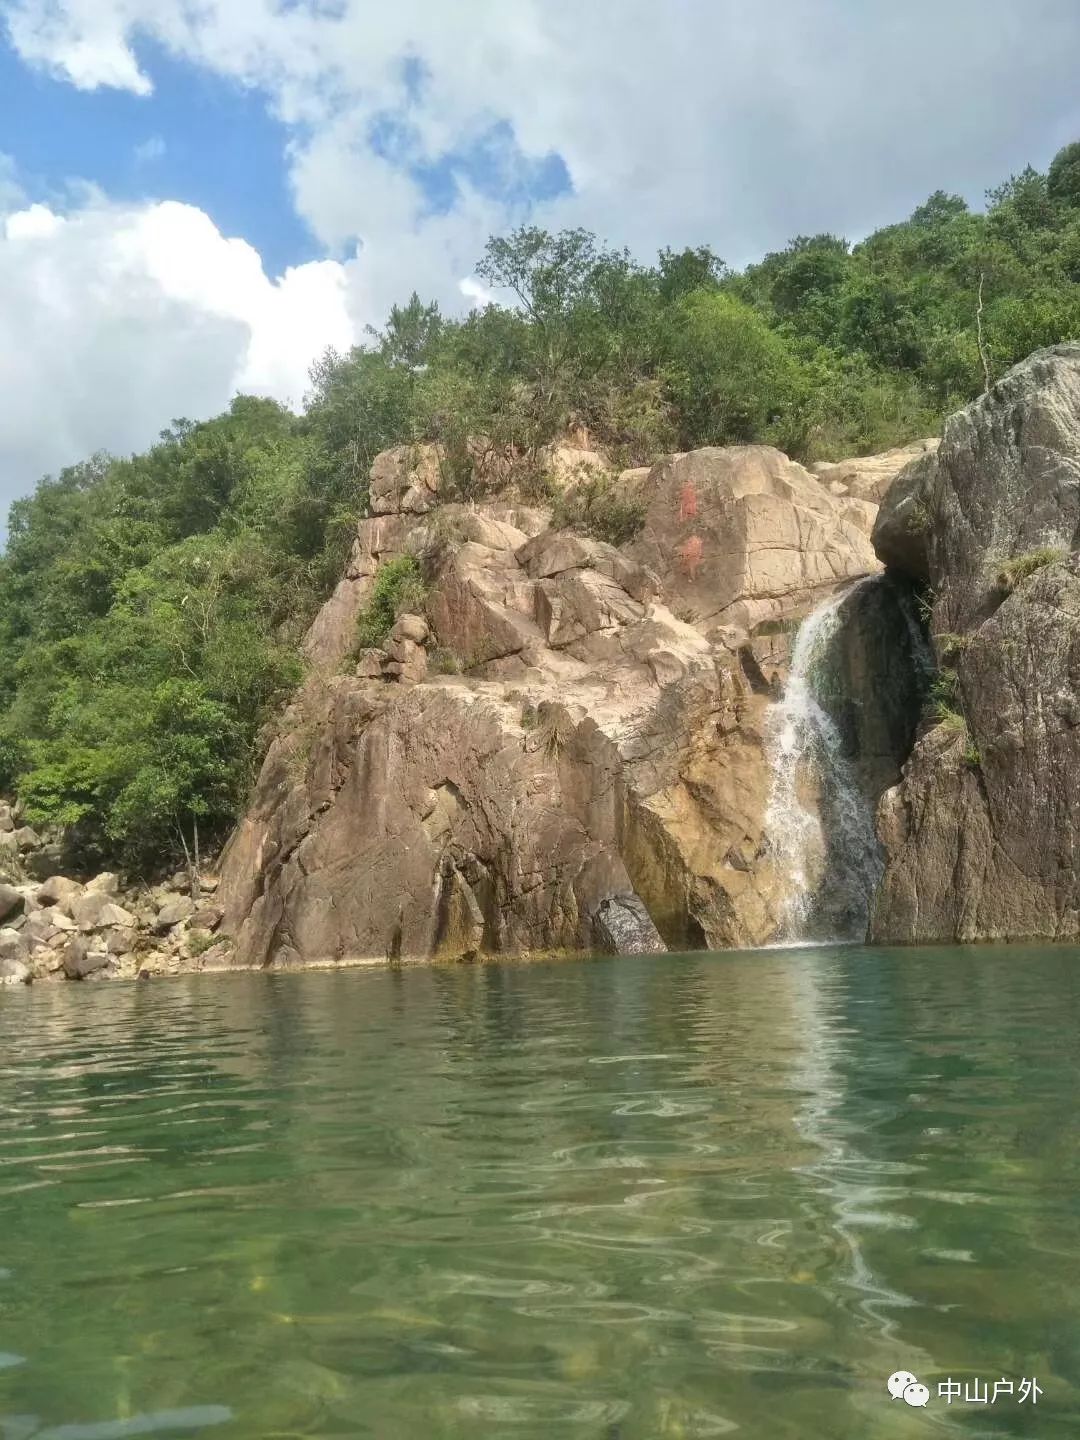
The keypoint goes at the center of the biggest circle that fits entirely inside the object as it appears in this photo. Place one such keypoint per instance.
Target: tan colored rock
(566, 464)
(40, 929)
(95, 911)
(481, 606)
(408, 665)
(59, 891)
(636, 795)
(577, 603)
(207, 918)
(744, 536)
(602, 755)
(860, 513)
(104, 884)
(555, 551)
(405, 480)
(173, 912)
(413, 628)
(15, 972)
(80, 962)
(868, 477)
(12, 901)
(459, 923)
(13, 945)
(218, 957)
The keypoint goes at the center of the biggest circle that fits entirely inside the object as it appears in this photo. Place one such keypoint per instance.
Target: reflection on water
(687, 1196)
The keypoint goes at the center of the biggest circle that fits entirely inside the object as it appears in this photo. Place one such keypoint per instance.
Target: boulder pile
(59, 928)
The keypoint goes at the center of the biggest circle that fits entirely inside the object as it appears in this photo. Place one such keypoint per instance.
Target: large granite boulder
(870, 477)
(744, 536)
(983, 833)
(593, 774)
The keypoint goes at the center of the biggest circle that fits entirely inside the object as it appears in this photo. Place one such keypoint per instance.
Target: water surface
(620, 1199)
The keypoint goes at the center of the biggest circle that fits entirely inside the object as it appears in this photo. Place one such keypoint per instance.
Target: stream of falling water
(819, 825)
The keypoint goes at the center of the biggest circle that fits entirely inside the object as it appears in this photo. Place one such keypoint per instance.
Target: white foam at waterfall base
(828, 852)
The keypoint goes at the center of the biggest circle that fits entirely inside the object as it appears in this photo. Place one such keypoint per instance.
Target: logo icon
(903, 1385)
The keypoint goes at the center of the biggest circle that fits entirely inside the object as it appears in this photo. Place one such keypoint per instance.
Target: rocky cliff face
(594, 775)
(983, 833)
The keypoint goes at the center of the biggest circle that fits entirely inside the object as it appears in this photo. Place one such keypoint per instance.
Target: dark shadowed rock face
(880, 668)
(983, 833)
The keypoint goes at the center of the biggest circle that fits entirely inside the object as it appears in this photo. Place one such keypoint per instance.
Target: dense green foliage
(150, 608)
(398, 587)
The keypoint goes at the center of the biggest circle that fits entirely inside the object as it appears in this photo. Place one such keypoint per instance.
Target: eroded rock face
(745, 537)
(983, 833)
(593, 777)
(870, 477)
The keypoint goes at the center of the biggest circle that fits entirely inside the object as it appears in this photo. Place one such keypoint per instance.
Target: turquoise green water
(693, 1196)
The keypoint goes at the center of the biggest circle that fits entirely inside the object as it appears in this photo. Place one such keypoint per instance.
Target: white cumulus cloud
(116, 319)
(706, 121)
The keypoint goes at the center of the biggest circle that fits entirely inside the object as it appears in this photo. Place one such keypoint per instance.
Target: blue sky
(197, 199)
(212, 142)
(200, 137)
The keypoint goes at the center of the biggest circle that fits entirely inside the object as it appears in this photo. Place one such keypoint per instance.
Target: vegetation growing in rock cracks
(1018, 568)
(151, 608)
(399, 587)
(598, 506)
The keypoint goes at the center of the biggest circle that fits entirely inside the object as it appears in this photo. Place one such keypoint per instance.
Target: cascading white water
(819, 826)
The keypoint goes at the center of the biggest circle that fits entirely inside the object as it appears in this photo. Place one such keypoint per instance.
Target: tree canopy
(151, 607)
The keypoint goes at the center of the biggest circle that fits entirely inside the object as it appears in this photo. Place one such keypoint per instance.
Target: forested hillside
(151, 608)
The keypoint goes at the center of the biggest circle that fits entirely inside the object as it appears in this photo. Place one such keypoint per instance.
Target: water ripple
(619, 1200)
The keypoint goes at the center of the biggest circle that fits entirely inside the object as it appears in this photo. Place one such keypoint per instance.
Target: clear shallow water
(619, 1199)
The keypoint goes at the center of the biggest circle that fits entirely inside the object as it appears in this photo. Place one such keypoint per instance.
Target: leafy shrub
(443, 661)
(598, 507)
(399, 588)
(13, 762)
(944, 687)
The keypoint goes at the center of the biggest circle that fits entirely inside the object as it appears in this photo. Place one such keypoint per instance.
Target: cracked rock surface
(592, 776)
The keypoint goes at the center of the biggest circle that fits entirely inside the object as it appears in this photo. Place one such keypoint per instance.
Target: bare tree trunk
(982, 339)
(192, 866)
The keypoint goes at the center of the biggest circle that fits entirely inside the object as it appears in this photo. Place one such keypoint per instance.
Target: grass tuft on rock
(1021, 567)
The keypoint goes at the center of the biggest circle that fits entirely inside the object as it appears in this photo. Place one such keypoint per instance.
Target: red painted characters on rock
(690, 554)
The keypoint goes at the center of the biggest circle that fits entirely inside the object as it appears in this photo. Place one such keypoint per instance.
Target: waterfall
(819, 826)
